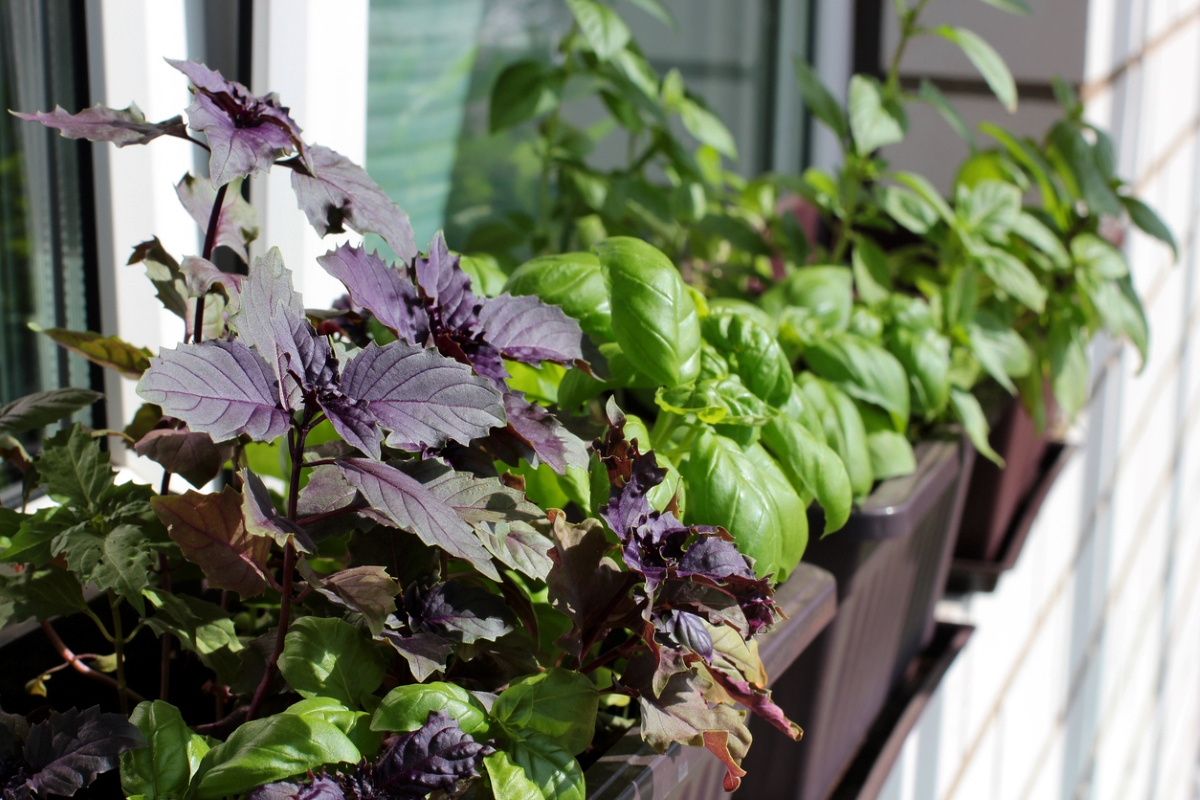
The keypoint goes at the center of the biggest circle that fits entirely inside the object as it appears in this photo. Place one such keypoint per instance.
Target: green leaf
(509, 782)
(202, 627)
(844, 430)
(725, 488)
(819, 99)
(487, 279)
(163, 770)
(929, 93)
(550, 768)
(908, 208)
(872, 277)
(267, 750)
(752, 354)
(329, 657)
(812, 466)
(1068, 368)
(573, 281)
(1031, 229)
(875, 121)
(1089, 250)
(1091, 185)
(985, 58)
(125, 565)
(825, 292)
(1012, 277)
(603, 28)
(1000, 351)
(724, 401)
(654, 318)
(707, 128)
(355, 724)
(928, 192)
(406, 708)
(45, 593)
(1144, 217)
(1011, 6)
(30, 542)
(990, 209)
(44, 408)
(1120, 309)
(558, 702)
(925, 356)
(891, 454)
(864, 370)
(74, 468)
(789, 508)
(107, 351)
(523, 91)
(970, 414)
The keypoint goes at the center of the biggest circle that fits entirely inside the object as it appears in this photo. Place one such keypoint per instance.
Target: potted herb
(391, 615)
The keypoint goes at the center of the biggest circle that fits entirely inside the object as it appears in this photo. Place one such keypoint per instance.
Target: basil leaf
(355, 724)
(811, 466)
(1144, 217)
(925, 356)
(819, 99)
(163, 770)
(1000, 350)
(74, 469)
(329, 657)
(1031, 229)
(707, 127)
(876, 121)
(509, 781)
(825, 292)
(985, 58)
(601, 26)
(653, 317)
(908, 208)
(406, 708)
(929, 93)
(990, 209)
(572, 281)
(970, 414)
(43, 408)
(789, 508)
(844, 430)
(724, 401)
(558, 702)
(550, 768)
(1119, 308)
(1068, 368)
(1011, 276)
(1089, 250)
(725, 488)
(891, 454)
(872, 276)
(267, 750)
(523, 91)
(752, 353)
(864, 370)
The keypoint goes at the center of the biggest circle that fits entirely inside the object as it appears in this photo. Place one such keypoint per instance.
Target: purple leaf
(66, 752)
(237, 225)
(322, 787)
(458, 611)
(262, 518)
(398, 500)
(369, 590)
(221, 388)
(585, 584)
(327, 490)
(269, 313)
(684, 629)
(526, 329)
(435, 756)
(426, 653)
(338, 192)
(423, 398)
(194, 456)
(353, 421)
(535, 435)
(201, 275)
(385, 292)
(209, 530)
(757, 700)
(446, 287)
(246, 133)
(121, 126)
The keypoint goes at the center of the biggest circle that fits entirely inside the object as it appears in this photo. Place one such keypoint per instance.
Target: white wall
(1083, 677)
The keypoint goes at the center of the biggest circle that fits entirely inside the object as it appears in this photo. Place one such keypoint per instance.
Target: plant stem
(77, 664)
(296, 441)
(210, 242)
(114, 603)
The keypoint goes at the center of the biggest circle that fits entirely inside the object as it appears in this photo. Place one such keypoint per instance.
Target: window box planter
(890, 562)
(870, 769)
(632, 769)
(981, 575)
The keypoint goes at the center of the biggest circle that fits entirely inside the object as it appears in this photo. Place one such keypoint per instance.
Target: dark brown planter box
(870, 769)
(632, 770)
(996, 495)
(890, 562)
(979, 575)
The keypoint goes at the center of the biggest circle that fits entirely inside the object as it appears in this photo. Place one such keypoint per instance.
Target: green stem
(99, 623)
(114, 603)
(663, 428)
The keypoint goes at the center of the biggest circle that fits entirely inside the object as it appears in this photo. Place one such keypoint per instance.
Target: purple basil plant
(420, 626)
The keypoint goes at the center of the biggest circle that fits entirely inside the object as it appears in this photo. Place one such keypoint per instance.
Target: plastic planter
(632, 770)
(890, 562)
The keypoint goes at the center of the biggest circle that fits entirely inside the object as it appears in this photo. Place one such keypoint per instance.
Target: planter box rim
(633, 769)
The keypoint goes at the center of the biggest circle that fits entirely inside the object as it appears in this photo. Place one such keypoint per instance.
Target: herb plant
(379, 608)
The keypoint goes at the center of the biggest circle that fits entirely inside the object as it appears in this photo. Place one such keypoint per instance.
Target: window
(47, 238)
